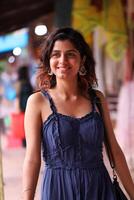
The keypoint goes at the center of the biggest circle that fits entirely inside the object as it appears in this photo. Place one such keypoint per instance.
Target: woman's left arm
(121, 166)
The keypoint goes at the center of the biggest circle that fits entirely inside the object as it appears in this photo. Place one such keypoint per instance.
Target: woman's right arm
(32, 159)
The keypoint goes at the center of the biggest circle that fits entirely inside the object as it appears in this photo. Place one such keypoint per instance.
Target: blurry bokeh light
(17, 51)
(11, 59)
(40, 30)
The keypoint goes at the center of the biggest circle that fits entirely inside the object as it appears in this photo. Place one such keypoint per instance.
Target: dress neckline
(55, 110)
(75, 117)
(69, 117)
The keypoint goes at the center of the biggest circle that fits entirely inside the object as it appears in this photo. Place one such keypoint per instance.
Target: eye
(71, 54)
(55, 55)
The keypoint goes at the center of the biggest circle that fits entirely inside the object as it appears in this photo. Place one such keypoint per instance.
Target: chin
(62, 76)
(65, 76)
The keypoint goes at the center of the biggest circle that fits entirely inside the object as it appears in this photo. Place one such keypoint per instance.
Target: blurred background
(108, 27)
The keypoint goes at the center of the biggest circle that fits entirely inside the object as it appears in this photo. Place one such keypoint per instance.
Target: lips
(63, 68)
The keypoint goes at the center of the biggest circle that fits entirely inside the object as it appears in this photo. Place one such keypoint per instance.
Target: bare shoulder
(100, 95)
(38, 105)
(36, 99)
(35, 102)
(103, 101)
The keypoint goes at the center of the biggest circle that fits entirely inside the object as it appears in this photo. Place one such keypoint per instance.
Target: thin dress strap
(93, 97)
(56, 132)
(52, 105)
(93, 106)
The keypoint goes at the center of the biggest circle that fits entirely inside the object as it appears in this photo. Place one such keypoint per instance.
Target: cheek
(77, 65)
(52, 63)
(77, 62)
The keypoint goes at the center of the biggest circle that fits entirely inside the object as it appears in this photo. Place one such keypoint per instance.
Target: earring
(82, 71)
(50, 73)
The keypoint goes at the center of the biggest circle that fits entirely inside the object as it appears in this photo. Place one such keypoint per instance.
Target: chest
(75, 108)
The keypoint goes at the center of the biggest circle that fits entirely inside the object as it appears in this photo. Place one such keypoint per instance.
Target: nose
(62, 58)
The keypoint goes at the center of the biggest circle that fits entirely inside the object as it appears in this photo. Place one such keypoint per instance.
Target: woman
(63, 118)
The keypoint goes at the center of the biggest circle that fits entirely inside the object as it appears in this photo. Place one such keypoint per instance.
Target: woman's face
(65, 60)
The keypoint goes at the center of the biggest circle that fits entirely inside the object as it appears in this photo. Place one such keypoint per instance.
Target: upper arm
(32, 125)
(108, 124)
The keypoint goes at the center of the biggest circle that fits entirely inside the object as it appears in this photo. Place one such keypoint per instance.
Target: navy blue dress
(72, 151)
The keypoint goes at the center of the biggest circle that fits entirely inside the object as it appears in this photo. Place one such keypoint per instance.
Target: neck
(67, 88)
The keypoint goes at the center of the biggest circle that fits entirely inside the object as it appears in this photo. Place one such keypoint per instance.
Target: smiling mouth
(63, 68)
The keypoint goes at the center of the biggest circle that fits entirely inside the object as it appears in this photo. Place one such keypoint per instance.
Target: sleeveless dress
(72, 151)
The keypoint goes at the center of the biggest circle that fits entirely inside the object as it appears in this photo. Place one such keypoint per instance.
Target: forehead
(63, 44)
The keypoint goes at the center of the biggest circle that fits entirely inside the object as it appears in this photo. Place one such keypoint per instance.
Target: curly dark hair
(44, 80)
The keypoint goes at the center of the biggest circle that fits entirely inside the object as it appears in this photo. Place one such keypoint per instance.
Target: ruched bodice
(72, 151)
(71, 142)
